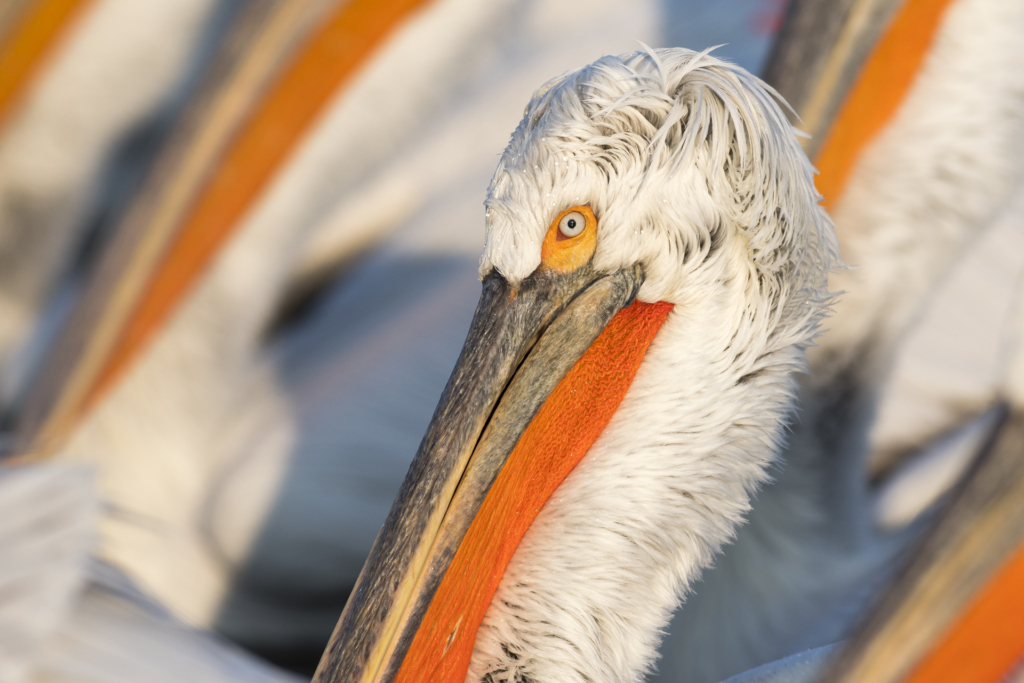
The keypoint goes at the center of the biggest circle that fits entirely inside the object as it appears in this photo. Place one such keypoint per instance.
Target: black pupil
(571, 224)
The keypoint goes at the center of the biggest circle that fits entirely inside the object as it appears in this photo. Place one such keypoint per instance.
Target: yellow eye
(570, 241)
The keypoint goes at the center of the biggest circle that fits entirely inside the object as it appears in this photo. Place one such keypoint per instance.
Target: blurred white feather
(955, 361)
(67, 619)
(117, 634)
(47, 525)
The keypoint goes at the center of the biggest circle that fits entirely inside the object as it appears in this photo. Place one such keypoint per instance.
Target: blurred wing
(117, 634)
(47, 525)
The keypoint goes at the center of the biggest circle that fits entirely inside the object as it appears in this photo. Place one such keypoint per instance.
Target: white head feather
(693, 171)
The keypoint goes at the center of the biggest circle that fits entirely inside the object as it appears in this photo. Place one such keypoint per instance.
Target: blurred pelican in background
(250, 435)
(78, 112)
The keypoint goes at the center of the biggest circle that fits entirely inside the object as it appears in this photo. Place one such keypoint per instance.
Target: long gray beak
(521, 343)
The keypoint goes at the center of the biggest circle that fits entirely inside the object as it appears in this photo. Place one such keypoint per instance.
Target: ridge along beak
(521, 343)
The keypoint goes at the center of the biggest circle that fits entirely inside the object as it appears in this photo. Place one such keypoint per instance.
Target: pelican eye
(572, 224)
(571, 240)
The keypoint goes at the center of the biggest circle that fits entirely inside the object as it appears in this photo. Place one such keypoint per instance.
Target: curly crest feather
(669, 143)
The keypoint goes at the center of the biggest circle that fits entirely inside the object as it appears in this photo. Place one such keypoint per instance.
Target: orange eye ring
(571, 240)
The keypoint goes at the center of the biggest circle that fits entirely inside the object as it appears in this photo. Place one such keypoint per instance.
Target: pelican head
(655, 263)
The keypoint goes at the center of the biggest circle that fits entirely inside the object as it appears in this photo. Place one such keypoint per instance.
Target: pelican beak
(521, 343)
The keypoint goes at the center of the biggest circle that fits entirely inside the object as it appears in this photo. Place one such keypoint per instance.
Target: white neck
(598, 574)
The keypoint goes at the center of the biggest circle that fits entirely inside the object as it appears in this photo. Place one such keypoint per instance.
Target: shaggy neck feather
(603, 566)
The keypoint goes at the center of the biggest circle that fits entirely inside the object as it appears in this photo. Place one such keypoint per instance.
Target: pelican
(655, 265)
(114, 431)
(94, 97)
